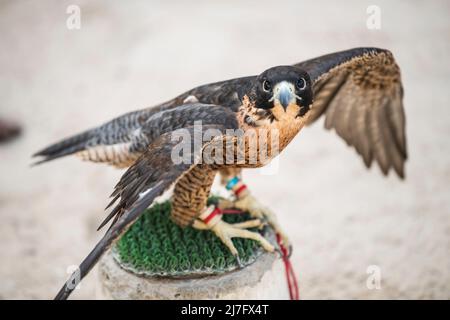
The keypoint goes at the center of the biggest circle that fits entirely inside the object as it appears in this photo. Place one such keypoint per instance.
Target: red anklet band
(240, 189)
(214, 213)
(236, 185)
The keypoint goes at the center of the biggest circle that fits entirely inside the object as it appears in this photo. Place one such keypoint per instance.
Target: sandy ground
(341, 217)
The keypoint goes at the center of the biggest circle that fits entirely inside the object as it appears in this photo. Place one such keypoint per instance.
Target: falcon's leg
(231, 179)
(211, 219)
(188, 208)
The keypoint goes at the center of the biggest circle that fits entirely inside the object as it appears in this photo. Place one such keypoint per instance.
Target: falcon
(218, 128)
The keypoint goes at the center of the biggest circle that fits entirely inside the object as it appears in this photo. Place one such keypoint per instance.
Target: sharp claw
(278, 250)
(239, 262)
(263, 224)
(290, 249)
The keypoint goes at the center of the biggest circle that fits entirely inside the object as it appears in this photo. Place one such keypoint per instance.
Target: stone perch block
(156, 259)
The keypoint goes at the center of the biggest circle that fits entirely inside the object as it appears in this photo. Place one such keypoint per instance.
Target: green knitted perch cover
(155, 246)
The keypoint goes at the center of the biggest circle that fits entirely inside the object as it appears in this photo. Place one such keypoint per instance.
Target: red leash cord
(290, 274)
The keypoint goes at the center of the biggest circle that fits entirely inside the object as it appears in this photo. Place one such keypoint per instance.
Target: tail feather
(65, 147)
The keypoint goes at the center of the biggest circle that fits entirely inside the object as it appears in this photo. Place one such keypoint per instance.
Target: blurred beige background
(132, 54)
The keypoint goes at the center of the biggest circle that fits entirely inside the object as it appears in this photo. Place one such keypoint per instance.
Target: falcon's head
(283, 91)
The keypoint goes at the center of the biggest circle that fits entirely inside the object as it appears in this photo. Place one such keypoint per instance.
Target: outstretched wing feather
(359, 91)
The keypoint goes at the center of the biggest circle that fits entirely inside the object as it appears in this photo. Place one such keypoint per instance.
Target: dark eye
(267, 87)
(301, 83)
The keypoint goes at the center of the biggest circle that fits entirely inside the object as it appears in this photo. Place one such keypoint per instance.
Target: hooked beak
(284, 93)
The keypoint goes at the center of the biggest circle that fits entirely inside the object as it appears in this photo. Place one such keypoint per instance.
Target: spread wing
(360, 93)
(149, 177)
(122, 140)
